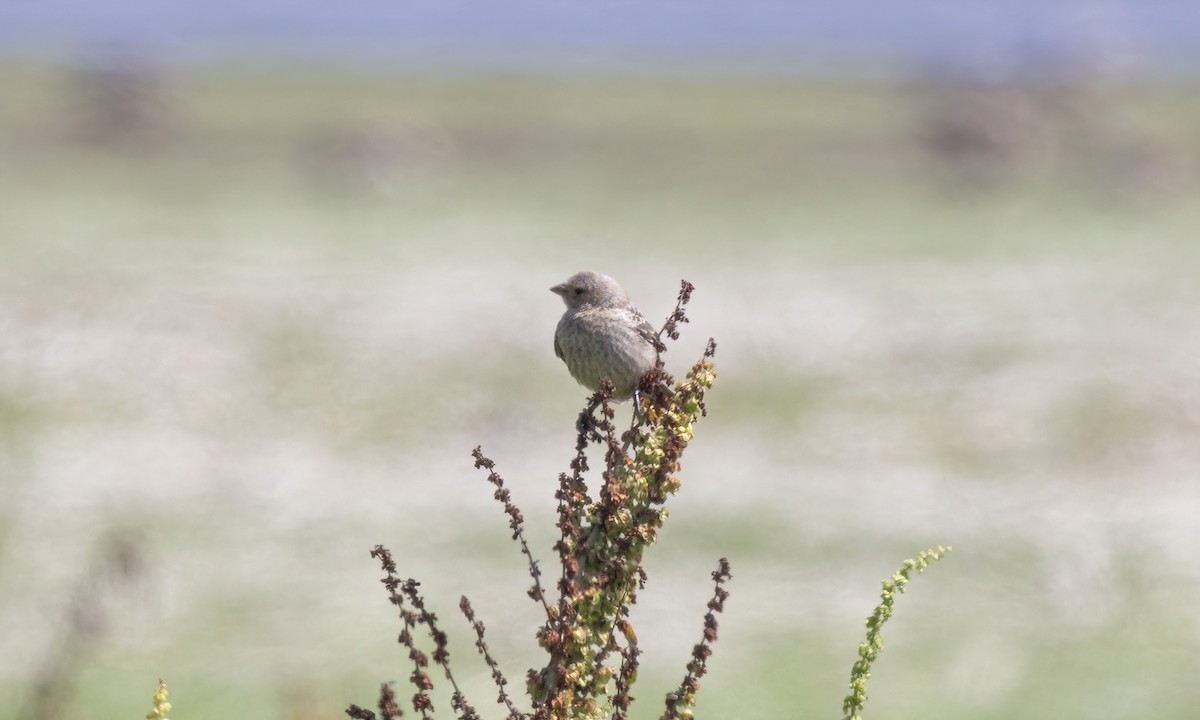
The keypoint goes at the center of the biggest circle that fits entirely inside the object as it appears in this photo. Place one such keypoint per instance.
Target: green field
(253, 322)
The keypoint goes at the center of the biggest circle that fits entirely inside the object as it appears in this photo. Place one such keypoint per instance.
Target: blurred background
(267, 274)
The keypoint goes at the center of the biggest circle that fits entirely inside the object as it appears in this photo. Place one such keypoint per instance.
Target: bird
(602, 335)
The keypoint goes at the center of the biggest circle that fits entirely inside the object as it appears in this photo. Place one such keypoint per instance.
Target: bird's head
(590, 289)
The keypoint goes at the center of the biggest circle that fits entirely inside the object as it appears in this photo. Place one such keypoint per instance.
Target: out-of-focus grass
(770, 167)
(265, 331)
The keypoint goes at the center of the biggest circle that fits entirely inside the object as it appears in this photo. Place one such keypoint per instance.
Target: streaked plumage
(602, 334)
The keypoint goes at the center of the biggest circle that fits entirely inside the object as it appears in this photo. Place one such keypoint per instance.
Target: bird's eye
(578, 291)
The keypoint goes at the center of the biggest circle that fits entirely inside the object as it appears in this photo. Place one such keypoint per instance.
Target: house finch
(602, 335)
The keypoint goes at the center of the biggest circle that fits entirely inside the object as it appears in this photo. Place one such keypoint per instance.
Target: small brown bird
(603, 335)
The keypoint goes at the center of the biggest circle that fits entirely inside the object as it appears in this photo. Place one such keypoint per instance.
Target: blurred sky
(750, 34)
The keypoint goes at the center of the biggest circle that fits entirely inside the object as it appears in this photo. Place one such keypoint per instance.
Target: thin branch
(573, 498)
(680, 702)
(358, 713)
(628, 670)
(389, 709)
(516, 523)
(441, 655)
(419, 678)
(671, 327)
(480, 644)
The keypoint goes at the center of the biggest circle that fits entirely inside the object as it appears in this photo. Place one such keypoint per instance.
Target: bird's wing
(645, 329)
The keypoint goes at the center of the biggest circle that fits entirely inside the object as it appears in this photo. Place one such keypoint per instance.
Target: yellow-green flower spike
(161, 706)
(869, 651)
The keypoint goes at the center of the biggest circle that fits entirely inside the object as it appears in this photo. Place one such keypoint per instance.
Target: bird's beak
(560, 289)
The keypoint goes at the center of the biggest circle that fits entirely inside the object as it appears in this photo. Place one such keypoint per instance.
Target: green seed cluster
(869, 650)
